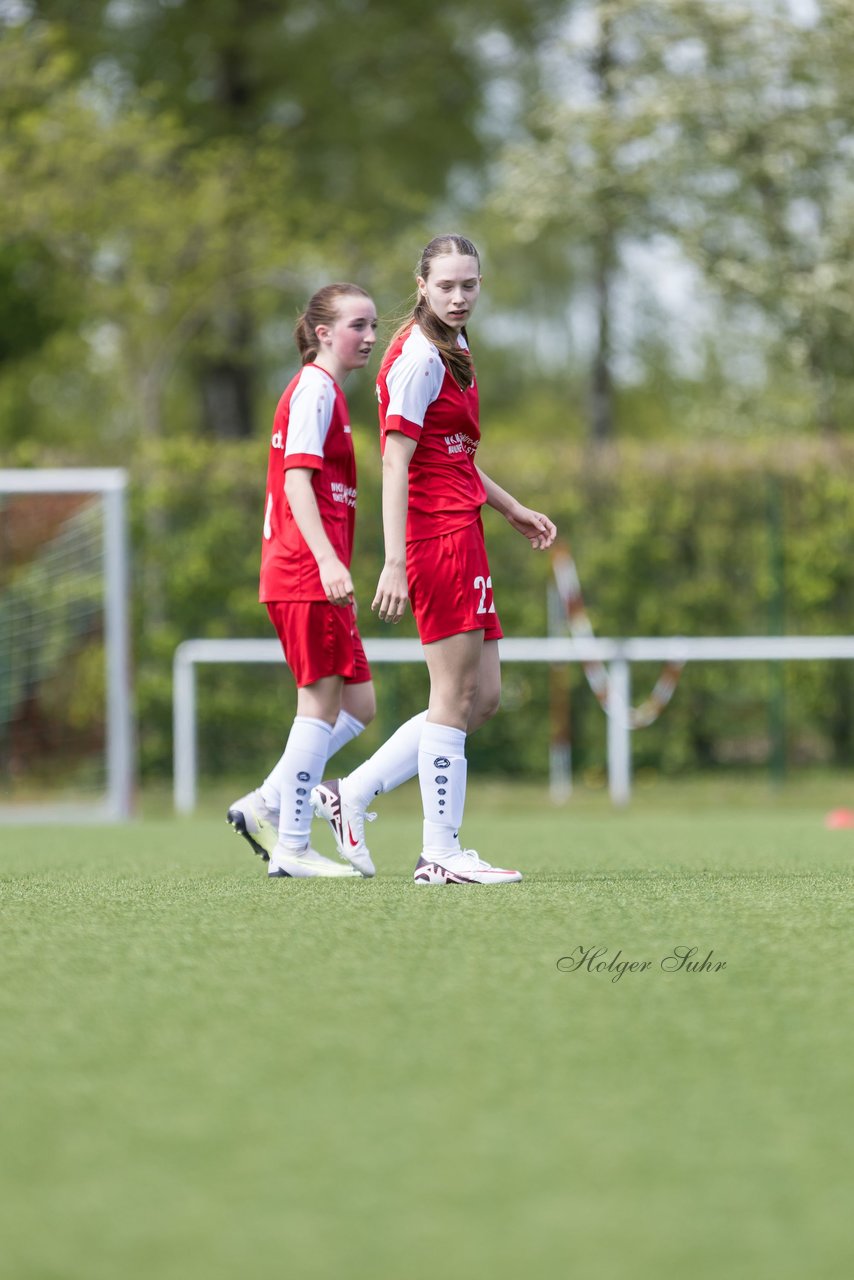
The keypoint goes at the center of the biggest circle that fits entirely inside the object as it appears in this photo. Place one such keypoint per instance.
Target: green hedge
(668, 541)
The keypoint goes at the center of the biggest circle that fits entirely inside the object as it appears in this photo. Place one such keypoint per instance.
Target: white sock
(346, 728)
(396, 761)
(442, 774)
(300, 768)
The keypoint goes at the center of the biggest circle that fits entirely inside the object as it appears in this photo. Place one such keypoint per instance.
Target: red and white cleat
(347, 822)
(460, 866)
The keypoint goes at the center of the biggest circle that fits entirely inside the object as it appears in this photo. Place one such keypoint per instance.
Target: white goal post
(59, 597)
(618, 654)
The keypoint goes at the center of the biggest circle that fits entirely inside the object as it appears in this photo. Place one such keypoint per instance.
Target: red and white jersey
(311, 429)
(419, 397)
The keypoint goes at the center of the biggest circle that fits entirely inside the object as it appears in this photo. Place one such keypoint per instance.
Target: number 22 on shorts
(484, 585)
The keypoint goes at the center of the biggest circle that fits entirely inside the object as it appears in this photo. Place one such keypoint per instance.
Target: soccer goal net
(65, 702)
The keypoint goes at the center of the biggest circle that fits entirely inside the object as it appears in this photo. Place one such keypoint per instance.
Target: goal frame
(619, 654)
(110, 485)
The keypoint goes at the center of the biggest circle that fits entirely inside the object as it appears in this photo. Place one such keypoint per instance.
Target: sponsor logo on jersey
(459, 442)
(277, 440)
(343, 493)
(441, 762)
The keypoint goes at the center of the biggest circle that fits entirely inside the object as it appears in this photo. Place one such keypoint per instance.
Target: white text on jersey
(459, 442)
(343, 493)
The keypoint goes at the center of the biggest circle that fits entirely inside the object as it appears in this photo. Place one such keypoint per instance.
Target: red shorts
(450, 586)
(319, 639)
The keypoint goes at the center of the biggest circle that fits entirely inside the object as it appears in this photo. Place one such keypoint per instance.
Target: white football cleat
(251, 819)
(459, 866)
(347, 822)
(307, 864)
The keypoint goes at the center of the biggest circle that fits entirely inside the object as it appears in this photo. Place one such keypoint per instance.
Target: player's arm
(533, 525)
(334, 576)
(392, 589)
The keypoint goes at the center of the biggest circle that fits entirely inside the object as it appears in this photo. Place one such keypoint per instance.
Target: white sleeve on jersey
(309, 415)
(415, 379)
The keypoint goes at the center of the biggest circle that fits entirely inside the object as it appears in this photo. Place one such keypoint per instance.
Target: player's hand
(534, 526)
(392, 594)
(336, 581)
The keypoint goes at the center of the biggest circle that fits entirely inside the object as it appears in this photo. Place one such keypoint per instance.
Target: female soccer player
(305, 578)
(435, 557)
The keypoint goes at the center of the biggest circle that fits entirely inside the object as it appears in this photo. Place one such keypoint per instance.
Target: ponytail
(306, 340)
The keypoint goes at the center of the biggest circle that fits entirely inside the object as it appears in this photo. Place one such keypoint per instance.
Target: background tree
(175, 177)
(721, 134)
(588, 167)
(767, 214)
(357, 115)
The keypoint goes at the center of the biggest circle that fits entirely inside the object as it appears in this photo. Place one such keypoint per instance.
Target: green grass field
(206, 1074)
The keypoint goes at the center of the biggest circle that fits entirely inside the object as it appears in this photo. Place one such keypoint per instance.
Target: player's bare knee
(453, 707)
(485, 708)
(360, 700)
(468, 697)
(369, 711)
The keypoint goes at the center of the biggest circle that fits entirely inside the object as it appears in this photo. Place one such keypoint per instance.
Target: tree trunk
(225, 382)
(601, 382)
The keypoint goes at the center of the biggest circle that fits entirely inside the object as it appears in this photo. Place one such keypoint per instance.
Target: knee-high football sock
(442, 775)
(345, 729)
(391, 764)
(299, 769)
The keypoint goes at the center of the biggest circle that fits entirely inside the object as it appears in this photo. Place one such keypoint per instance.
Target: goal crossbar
(619, 654)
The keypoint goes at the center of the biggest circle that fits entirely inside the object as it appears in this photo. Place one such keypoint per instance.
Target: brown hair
(456, 360)
(322, 308)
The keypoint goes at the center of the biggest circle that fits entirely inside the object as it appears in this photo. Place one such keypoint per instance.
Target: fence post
(184, 731)
(619, 739)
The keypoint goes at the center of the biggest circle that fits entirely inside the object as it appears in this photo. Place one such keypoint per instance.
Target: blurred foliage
(350, 88)
(196, 169)
(176, 178)
(667, 542)
(716, 135)
(31, 307)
